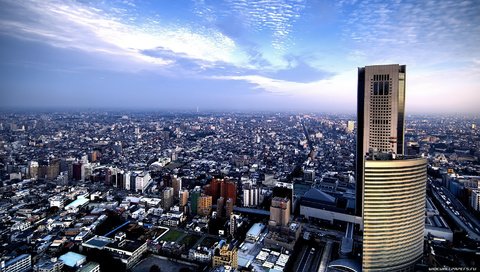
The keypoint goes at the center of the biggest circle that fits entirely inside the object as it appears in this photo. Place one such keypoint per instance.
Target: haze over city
(235, 55)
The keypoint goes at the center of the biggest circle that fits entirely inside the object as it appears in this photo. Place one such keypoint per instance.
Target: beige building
(225, 255)
(279, 211)
(204, 205)
(393, 213)
(184, 198)
(380, 114)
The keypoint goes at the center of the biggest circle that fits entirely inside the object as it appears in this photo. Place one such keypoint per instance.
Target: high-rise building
(222, 188)
(77, 171)
(280, 211)
(177, 186)
(390, 186)
(350, 126)
(220, 206)
(393, 212)
(167, 198)
(194, 200)
(251, 196)
(228, 207)
(204, 205)
(380, 115)
(183, 198)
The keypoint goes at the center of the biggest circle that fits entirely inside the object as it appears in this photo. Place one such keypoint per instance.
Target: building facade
(380, 114)
(390, 188)
(393, 213)
(279, 211)
(204, 205)
(225, 255)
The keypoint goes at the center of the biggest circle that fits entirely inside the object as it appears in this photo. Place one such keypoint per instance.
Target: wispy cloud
(431, 29)
(69, 24)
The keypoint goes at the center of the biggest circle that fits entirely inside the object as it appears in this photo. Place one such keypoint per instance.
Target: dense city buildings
(291, 175)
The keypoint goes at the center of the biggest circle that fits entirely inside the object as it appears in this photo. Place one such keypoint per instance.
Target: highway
(310, 259)
(458, 213)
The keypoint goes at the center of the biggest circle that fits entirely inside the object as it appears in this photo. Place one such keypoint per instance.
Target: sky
(273, 55)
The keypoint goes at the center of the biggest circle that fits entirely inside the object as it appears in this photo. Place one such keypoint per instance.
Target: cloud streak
(69, 24)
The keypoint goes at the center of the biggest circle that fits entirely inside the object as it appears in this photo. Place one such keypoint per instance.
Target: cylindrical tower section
(393, 213)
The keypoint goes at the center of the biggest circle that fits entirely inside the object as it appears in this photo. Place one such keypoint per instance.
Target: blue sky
(235, 54)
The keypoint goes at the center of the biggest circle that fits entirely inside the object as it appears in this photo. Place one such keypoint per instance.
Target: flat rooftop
(71, 259)
(98, 242)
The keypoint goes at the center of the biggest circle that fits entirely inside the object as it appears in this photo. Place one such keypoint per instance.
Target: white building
(251, 196)
(57, 201)
(475, 199)
(18, 264)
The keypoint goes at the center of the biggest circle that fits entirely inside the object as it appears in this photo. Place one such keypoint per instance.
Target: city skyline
(234, 55)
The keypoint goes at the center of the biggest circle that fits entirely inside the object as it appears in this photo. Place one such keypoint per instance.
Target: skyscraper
(380, 115)
(390, 186)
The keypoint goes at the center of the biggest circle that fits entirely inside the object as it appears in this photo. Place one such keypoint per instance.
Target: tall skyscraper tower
(390, 186)
(380, 115)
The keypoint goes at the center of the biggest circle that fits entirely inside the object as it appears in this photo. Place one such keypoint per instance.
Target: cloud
(68, 24)
(432, 30)
(235, 17)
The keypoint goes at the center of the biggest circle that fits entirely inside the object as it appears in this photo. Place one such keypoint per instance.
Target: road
(310, 259)
(325, 257)
(459, 215)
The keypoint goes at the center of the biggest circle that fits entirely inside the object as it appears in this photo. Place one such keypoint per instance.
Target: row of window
(381, 77)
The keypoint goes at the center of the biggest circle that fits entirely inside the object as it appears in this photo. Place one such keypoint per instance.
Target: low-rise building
(20, 263)
(225, 255)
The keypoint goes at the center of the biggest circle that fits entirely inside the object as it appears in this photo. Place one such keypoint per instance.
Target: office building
(279, 212)
(225, 255)
(184, 198)
(167, 194)
(393, 213)
(475, 199)
(380, 115)
(204, 205)
(350, 126)
(194, 200)
(18, 264)
(251, 196)
(390, 186)
(177, 186)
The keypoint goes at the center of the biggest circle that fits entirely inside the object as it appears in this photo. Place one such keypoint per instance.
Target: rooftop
(98, 242)
(72, 259)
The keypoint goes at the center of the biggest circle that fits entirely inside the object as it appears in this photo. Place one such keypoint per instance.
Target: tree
(155, 268)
